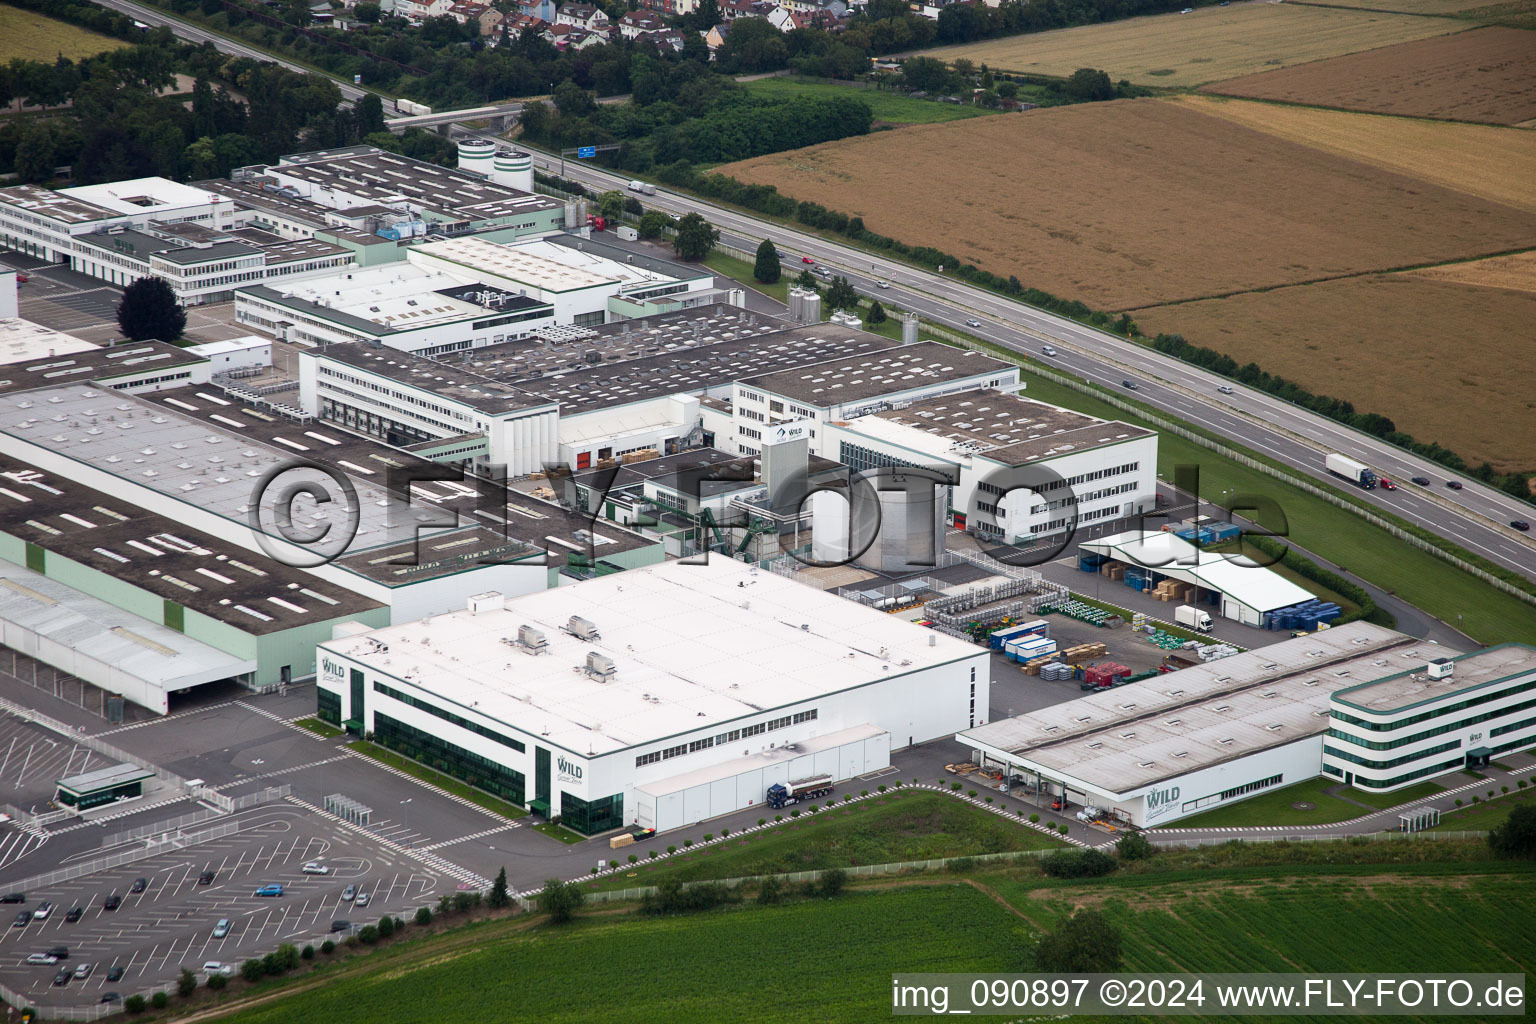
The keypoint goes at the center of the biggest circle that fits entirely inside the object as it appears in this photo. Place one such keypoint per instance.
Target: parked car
(972, 322)
(1386, 483)
(114, 973)
(75, 913)
(1422, 481)
(340, 926)
(1521, 525)
(62, 978)
(361, 901)
(270, 890)
(222, 928)
(1047, 350)
(112, 902)
(83, 971)
(1222, 388)
(349, 893)
(41, 958)
(314, 867)
(206, 878)
(1128, 384)
(22, 920)
(22, 278)
(213, 967)
(1188, 10)
(111, 997)
(139, 885)
(62, 952)
(43, 910)
(1454, 485)
(14, 897)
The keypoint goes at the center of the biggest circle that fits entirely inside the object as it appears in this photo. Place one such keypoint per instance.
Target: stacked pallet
(1082, 652)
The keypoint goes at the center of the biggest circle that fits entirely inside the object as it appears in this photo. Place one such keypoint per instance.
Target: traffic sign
(586, 152)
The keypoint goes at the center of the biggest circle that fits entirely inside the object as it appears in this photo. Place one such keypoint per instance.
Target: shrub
(709, 837)
(423, 915)
(1078, 864)
(770, 891)
(134, 1004)
(445, 903)
(832, 882)
(252, 969)
(1503, 789)
(812, 809)
(654, 855)
(1521, 783)
(1458, 801)
(687, 842)
(971, 794)
(673, 897)
(960, 865)
(882, 788)
(1477, 799)
(863, 792)
(328, 947)
(1034, 819)
(560, 900)
(594, 870)
(795, 813)
(778, 817)
(217, 982)
(1516, 837)
(307, 953)
(847, 797)
(368, 934)
(762, 821)
(159, 1000)
(955, 786)
(832, 802)
(461, 902)
(1134, 846)
(672, 849)
(989, 799)
(724, 832)
(1490, 794)
(633, 859)
(186, 984)
(386, 927)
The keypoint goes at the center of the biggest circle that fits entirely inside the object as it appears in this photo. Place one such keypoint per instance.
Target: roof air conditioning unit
(582, 628)
(532, 639)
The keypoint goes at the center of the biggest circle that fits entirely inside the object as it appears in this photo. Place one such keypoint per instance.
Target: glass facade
(480, 772)
(1393, 762)
(589, 818)
(328, 706)
(1448, 709)
(448, 716)
(1460, 723)
(541, 788)
(356, 711)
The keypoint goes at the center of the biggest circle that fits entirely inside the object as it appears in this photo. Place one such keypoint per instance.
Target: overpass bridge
(499, 117)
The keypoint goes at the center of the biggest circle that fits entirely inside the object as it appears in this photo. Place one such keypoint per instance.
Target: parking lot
(155, 933)
(32, 759)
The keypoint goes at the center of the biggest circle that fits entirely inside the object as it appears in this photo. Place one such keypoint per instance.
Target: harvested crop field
(28, 36)
(1516, 272)
(1140, 202)
(1210, 45)
(1448, 362)
(1484, 160)
(1411, 6)
(1487, 75)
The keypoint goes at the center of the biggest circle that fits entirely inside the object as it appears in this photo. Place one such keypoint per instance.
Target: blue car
(270, 890)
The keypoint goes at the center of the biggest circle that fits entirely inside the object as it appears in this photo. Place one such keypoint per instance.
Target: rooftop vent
(490, 601)
(1441, 668)
(582, 629)
(532, 639)
(600, 665)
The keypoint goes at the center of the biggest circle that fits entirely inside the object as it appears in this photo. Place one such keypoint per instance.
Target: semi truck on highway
(412, 109)
(1191, 617)
(781, 795)
(1355, 472)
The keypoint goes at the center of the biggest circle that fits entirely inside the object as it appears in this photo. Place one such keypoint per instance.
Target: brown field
(1492, 162)
(28, 36)
(1141, 202)
(1409, 6)
(1447, 362)
(1516, 272)
(1487, 75)
(1212, 44)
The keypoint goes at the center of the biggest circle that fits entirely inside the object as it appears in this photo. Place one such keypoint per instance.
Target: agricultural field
(1166, 201)
(887, 106)
(1449, 362)
(898, 827)
(1209, 45)
(28, 36)
(1482, 160)
(1488, 75)
(1410, 6)
(1348, 917)
(1516, 272)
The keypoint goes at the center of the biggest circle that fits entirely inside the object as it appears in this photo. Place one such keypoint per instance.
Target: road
(1476, 518)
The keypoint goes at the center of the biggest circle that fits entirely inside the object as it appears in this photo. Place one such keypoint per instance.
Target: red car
(806, 259)
(22, 278)
(1387, 485)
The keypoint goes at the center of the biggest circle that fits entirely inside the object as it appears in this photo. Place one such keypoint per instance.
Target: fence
(16, 1000)
(1316, 490)
(101, 746)
(1193, 842)
(170, 841)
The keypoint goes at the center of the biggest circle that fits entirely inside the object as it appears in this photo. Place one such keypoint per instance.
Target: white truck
(1356, 473)
(642, 188)
(1191, 617)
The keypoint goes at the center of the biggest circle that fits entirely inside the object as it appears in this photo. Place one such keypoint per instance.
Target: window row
(725, 737)
(1448, 709)
(448, 716)
(1462, 723)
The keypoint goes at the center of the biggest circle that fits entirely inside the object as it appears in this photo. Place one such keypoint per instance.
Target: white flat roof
(22, 341)
(696, 646)
(211, 348)
(514, 263)
(399, 295)
(1234, 575)
(631, 274)
(1132, 736)
(139, 195)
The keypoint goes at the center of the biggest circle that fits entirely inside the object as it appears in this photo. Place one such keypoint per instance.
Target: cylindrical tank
(513, 169)
(477, 156)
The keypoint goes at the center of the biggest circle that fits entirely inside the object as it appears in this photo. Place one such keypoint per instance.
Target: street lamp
(406, 814)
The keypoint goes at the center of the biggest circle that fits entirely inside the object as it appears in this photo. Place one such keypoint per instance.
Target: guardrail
(170, 841)
(76, 735)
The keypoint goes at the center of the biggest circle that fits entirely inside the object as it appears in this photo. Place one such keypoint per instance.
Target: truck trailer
(782, 795)
(1356, 473)
(1191, 617)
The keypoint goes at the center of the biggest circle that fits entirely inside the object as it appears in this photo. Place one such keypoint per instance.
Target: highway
(1477, 517)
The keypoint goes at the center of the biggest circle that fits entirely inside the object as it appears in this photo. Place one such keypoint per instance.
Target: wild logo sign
(1161, 801)
(570, 771)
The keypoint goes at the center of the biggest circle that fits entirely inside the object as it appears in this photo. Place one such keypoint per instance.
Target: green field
(887, 106)
(25, 35)
(319, 728)
(898, 827)
(1274, 808)
(1483, 816)
(831, 960)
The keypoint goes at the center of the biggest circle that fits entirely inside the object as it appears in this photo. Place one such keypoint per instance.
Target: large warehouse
(1162, 749)
(661, 696)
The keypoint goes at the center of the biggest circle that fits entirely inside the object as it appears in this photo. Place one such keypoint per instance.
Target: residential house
(716, 36)
(730, 10)
(544, 10)
(571, 37)
(836, 8)
(587, 16)
(640, 23)
(420, 10)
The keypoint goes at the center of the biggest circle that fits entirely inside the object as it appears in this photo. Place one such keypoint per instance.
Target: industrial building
(992, 443)
(1152, 752)
(658, 697)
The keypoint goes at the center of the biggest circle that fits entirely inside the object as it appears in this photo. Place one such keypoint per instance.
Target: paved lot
(32, 759)
(154, 934)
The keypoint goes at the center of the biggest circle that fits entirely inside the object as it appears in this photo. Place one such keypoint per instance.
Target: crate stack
(1055, 671)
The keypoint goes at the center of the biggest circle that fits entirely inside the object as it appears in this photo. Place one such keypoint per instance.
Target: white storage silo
(513, 169)
(477, 156)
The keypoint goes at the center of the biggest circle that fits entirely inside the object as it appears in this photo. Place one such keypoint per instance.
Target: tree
(1134, 846)
(654, 224)
(424, 915)
(805, 279)
(253, 969)
(611, 205)
(186, 984)
(767, 269)
(573, 101)
(1087, 85)
(841, 295)
(370, 115)
(1517, 836)
(159, 1000)
(500, 898)
(876, 313)
(560, 900)
(149, 310)
(135, 1004)
(695, 238)
(1085, 943)
(386, 927)
(216, 982)
(34, 153)
(368, 934)
(832, 881)
(924, 74)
